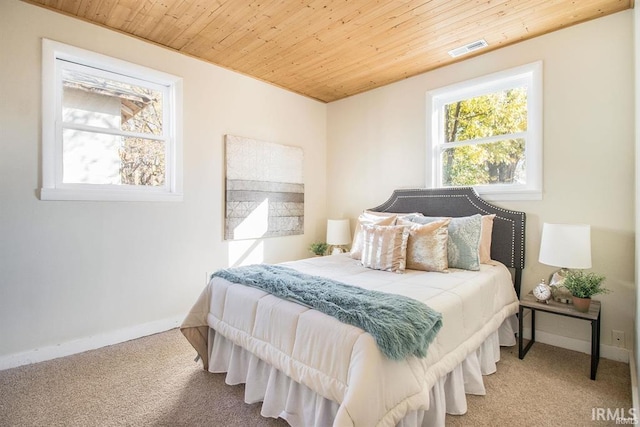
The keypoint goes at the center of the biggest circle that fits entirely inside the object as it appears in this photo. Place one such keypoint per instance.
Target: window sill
(65, 194)
(497, 196)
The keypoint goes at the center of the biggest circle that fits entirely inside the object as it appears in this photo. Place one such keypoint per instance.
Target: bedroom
(69, 283)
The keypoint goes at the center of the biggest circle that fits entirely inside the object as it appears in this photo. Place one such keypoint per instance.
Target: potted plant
(582, 286)
(319, 248)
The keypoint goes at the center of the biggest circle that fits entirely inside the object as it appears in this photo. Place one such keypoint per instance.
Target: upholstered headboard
(507, 245)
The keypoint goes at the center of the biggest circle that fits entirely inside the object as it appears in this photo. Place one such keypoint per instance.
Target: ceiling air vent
(468, 48)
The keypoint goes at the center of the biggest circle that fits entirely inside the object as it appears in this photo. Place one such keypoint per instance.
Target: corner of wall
(635, 354)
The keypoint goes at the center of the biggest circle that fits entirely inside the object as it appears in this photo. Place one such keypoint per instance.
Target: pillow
(427, 245)
(384, 247)
(463, 246)
(407, 216)
(367, 217)
(485, 240)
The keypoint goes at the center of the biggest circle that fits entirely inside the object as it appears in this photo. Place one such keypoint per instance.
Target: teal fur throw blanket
(400, 325)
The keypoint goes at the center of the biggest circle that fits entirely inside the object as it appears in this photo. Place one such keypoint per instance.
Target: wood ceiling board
(330, 49)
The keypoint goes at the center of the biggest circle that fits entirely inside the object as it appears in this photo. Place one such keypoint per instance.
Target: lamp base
(558, 291)
(337, 250)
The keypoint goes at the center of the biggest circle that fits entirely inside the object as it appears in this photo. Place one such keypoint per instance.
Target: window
(487, 133)
(111, 130)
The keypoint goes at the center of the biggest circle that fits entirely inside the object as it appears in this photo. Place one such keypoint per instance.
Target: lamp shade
(566, 245)
(338, 232)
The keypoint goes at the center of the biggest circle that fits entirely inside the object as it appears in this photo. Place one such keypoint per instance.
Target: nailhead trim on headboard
(509, 230)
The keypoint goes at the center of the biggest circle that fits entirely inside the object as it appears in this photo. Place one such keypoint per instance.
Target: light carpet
(153, 381)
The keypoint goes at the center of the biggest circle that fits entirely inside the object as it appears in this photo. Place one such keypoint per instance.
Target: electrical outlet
(618, 338)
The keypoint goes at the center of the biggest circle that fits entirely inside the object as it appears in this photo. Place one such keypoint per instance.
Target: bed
(311, 369)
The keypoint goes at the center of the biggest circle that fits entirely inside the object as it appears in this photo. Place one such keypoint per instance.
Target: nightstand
(593, 315)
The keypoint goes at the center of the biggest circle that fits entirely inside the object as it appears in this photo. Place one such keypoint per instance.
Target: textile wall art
(264, 189)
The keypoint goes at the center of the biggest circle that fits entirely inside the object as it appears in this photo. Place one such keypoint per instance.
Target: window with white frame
(111, 130)
(487, 133)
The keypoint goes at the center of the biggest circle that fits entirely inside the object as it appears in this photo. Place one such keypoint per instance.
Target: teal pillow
(463, 246)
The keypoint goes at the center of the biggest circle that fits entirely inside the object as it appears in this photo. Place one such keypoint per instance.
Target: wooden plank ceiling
(331, 49)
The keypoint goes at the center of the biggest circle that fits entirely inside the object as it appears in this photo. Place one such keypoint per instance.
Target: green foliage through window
(489, 125)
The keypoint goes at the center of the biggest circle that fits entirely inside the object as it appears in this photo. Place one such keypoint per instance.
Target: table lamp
(567, 246)
(338, 234)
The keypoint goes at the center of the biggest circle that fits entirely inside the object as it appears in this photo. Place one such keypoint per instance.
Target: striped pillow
(385, 247)
(368, 218)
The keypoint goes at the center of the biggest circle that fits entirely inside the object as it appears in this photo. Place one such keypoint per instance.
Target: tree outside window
(479, 119)
(486, 133)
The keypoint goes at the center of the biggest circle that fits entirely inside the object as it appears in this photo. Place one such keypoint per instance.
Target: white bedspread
(341, 362)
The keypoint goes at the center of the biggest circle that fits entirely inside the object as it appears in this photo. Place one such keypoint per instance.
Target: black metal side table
(593, 315)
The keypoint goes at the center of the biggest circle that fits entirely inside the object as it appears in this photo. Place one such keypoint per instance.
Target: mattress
(341, 363)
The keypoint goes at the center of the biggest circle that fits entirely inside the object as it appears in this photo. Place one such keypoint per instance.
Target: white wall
(376, 143)
(73, 270)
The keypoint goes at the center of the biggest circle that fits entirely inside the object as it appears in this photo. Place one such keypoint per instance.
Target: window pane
(143, 162)
(95, 101)
(500, 162)
(498, 113)
(97, 158)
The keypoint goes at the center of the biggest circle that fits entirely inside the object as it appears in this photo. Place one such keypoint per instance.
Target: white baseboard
(607, 351)
(88, 343)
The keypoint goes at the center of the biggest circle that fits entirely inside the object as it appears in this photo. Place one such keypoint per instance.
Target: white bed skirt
(282, 397)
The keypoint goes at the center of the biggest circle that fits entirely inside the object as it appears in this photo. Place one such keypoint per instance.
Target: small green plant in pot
(318, 248)
(583, 286)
